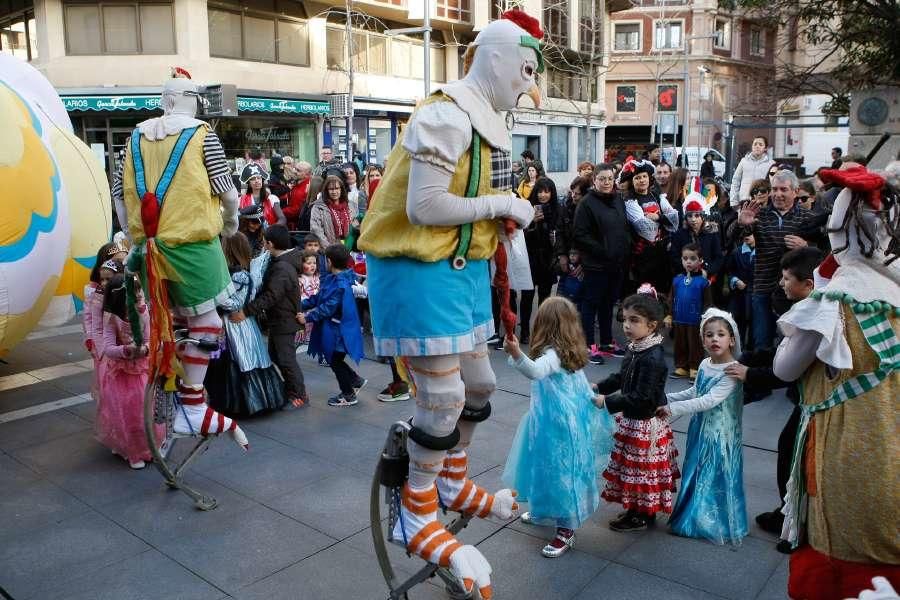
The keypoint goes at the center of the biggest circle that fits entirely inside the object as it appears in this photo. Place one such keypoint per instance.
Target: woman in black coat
(540, 239)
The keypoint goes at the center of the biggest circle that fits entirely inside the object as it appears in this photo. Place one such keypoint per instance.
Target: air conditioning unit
(339, 105)
(220, 100)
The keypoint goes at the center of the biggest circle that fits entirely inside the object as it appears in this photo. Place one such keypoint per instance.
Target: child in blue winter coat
(336, 334)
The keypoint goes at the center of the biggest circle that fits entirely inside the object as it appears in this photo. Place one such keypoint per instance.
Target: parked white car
(695, 156)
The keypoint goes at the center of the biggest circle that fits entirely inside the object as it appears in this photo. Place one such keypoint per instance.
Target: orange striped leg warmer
(459, 493)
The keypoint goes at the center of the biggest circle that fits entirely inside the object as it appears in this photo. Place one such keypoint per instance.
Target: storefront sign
(108, 103)
(667, 98)
(267, 134)
(626, 98)
(245, 103)
(297, 107)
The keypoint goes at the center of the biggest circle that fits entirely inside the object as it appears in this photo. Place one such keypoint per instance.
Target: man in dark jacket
(279, 297)
(601, 235)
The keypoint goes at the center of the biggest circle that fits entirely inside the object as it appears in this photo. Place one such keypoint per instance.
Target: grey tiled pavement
(292, 521)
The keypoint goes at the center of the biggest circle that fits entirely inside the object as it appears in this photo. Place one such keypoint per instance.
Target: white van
(695, 156)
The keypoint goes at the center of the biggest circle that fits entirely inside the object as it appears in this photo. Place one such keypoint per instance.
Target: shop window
(557, 149)
(520, 143)
(722, 40)
(120, 28)
(667, 34)
(627, 37)
(18, 36)
(272, 31)
(591, 154)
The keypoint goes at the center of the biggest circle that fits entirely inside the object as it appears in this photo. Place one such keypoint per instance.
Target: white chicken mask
(505, 59)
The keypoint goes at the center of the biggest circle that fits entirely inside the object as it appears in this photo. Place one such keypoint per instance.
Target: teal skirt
(428, 309)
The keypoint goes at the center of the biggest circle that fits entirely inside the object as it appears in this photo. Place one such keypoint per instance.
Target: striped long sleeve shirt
(769, 229)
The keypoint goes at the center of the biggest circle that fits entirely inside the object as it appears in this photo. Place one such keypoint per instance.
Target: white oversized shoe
(194, 417)
(462, 495)
(426, 537)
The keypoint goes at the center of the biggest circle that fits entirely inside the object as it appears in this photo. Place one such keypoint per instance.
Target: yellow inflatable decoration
(55, 210)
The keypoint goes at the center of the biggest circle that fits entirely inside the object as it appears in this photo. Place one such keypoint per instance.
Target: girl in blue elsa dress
(563, 441)
(711, 501)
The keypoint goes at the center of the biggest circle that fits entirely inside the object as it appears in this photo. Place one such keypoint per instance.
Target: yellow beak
(535, 94)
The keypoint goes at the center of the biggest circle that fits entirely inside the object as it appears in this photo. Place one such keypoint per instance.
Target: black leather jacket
(641, 384)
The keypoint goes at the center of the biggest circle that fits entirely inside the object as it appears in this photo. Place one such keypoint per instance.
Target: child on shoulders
(553, 460)
(711, 501)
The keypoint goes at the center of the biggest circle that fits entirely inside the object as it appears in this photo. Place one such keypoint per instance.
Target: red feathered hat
(525, 21)
(858, 179)
(693, 206)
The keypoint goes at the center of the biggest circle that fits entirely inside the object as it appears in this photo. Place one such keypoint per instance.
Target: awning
(278, 105)
(107, 103)
(151, 103)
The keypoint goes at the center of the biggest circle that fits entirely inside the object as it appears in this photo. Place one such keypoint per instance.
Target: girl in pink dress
(123, 374)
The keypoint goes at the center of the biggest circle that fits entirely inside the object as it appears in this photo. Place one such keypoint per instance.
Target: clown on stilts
(173, 195)
(443, 202)
(842, 344)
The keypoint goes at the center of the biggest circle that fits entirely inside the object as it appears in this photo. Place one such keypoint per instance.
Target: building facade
(288, 62)
(679, 69)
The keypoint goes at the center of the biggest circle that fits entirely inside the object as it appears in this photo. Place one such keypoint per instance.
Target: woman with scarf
(652, 219)
(330, 216)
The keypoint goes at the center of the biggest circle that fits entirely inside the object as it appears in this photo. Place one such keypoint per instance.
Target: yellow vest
(386, 230)
(190, 211)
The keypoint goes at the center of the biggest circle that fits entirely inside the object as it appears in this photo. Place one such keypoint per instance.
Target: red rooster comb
(525, 21)
(858, 179)
(179, 73)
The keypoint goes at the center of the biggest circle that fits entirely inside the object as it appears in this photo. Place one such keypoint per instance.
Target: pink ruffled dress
(120, 409)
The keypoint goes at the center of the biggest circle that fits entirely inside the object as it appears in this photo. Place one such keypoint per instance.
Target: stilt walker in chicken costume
(843, 345)
(170, 194)
(428, 242)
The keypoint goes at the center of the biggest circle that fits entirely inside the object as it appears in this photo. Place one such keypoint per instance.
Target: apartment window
(667, 34)
(373, 53)
(558, 149)
(18, 36)
(590, 32)
(454, 10)
(556, 24)
(369, 51)
(259, 30)
(120, 28)
(723, 34)
(757, 42)
(627, 37)
(570, 86)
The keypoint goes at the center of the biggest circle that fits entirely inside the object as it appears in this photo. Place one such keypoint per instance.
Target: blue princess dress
(562, 443)
(711, 501)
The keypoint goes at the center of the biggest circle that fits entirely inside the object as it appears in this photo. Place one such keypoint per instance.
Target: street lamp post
(425, 30)
(687, 96)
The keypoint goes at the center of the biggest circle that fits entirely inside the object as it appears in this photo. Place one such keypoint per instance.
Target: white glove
(229, 201)
(882, 591)
(520, 211)
(360, 291)
(505, 505)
